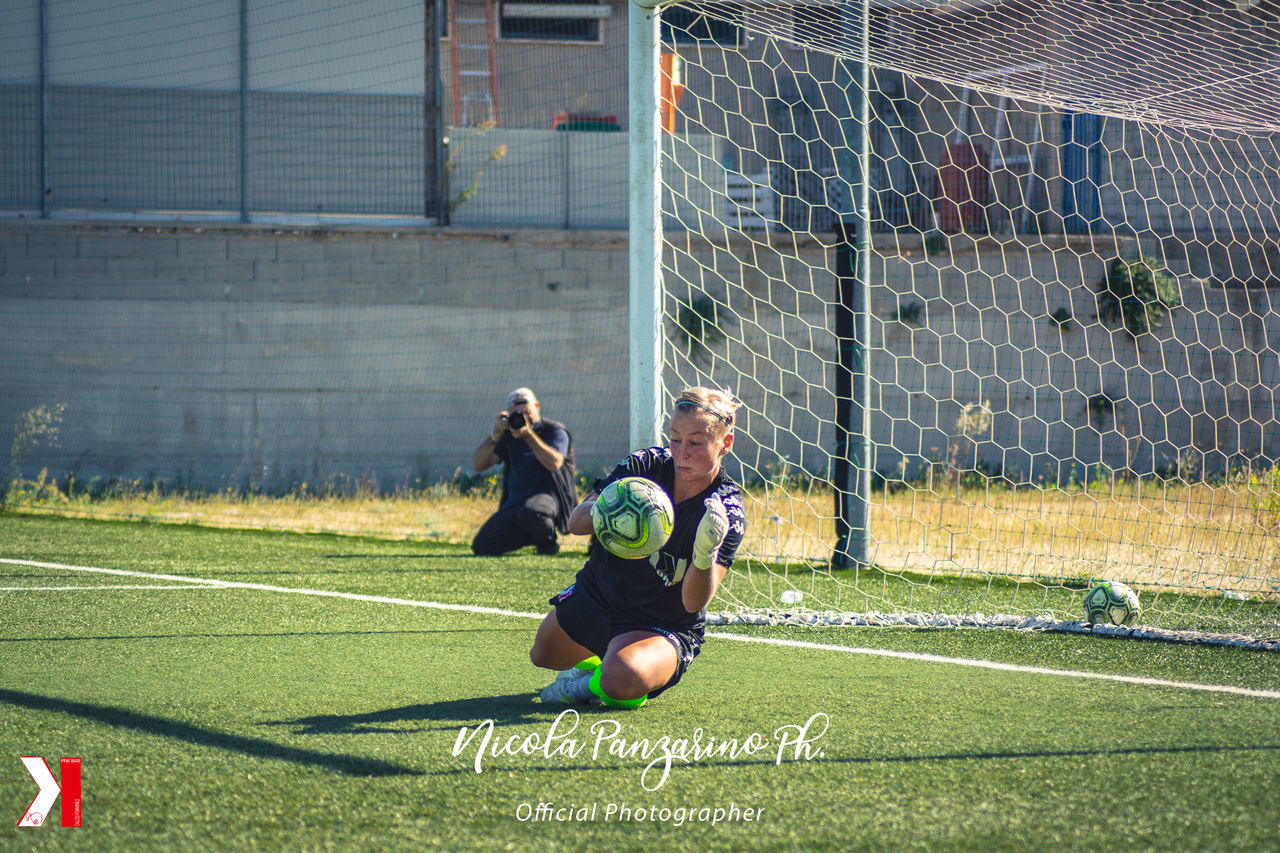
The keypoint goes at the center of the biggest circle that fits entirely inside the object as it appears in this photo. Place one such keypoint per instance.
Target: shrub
(1138, 294)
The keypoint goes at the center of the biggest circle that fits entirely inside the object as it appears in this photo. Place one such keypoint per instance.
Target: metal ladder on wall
(475, 74)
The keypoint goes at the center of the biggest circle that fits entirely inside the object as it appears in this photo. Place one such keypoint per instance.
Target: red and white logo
(38, 812)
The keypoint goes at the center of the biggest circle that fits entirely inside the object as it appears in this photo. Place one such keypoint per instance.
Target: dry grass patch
(1168, 535)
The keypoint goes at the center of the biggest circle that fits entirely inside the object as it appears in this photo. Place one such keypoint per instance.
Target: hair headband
(718, 416)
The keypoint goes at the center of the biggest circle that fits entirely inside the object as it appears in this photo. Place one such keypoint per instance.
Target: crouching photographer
(539, 482)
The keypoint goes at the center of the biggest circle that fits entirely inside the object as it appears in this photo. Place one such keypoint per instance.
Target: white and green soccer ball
(1111, 603)
(633, 517)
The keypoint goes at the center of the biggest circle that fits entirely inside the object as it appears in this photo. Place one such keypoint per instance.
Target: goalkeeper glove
(711, 532)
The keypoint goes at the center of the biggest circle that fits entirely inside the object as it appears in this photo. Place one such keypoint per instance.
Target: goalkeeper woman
(626, 630)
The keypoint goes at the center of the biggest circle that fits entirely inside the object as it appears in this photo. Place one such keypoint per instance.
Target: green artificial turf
(253, 719)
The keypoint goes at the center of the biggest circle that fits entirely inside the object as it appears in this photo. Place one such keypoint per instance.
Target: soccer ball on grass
(633, 517)
(1111, 603)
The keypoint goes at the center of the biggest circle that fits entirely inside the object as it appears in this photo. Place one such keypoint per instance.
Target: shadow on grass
(512, 708)
(348, 765)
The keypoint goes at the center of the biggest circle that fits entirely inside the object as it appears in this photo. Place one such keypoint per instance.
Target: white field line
(324, 593)
(769, 641)
(1009, 667)
(111, 586)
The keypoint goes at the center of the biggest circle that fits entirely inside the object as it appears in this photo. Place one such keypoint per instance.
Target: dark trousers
(531, 523)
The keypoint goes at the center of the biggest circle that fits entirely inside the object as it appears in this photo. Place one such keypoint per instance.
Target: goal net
(1068, 251)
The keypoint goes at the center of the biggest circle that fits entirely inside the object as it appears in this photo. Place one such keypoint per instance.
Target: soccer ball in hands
(633, 517)
(1111, 603)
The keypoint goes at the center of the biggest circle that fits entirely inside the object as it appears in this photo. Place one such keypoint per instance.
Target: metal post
(435, 177)
(645, 229)
(244, 110)
(566, 184)
(851, 472)
(45, 189)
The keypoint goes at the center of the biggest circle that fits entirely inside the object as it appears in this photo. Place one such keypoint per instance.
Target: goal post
(851, 459)
(644, 227)
(851, 447)
(964, 403)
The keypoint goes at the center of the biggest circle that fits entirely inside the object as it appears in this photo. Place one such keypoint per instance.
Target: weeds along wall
(224, 356)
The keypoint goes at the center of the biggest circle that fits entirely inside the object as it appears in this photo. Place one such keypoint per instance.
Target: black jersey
(649, 589)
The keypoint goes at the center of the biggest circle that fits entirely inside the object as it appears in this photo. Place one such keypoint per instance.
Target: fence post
(244, 110)
(45, 189)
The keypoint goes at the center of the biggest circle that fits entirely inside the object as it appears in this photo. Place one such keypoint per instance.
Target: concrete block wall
(221, 355)
(225, 355)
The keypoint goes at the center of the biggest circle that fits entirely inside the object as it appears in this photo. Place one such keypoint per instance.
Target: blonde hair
(719, 406)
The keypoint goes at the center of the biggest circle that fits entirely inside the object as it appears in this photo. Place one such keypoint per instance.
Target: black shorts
(589, 625)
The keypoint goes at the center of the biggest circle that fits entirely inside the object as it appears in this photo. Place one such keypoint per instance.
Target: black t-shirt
(526, 476)
(649, 589)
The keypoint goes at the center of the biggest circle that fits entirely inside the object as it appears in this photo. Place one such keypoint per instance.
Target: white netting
(1178, 62)
(1073, 322)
